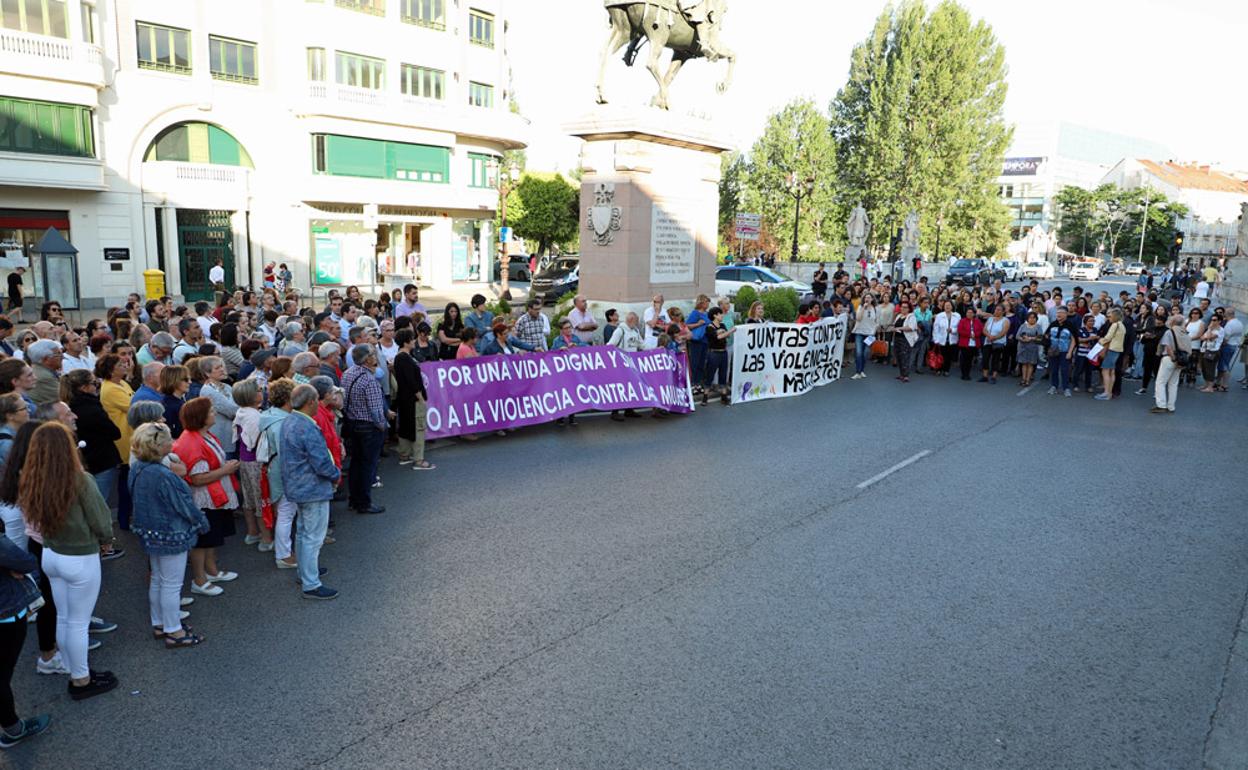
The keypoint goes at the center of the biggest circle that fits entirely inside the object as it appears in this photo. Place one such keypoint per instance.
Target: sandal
(423, 465)
(186, 640)
(159, 633)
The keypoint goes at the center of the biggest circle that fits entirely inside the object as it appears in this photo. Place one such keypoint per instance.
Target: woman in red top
(970, 340)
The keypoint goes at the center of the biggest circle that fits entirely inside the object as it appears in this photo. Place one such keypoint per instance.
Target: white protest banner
(779, 360)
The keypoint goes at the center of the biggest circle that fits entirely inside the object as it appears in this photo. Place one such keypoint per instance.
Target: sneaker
(93, 645)
(265, 547)
(54, 665)
(183, 614)
(1141, 391)
(29, 728)
(116, 553)
(223, 576)
(186, 601)
(1158, 410)
(1068, 393)
(377, 484)
(100, 626)
(1078, 391)
(99, 684)
(1052, 391)
(282, 564)
(207, 589)
(323, 593)
(251, 539)
(405, 461)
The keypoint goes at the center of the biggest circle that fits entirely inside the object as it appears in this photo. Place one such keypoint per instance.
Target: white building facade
(352, 140)
(1213, 199)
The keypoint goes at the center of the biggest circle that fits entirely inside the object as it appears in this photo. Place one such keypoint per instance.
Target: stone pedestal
(649, 208)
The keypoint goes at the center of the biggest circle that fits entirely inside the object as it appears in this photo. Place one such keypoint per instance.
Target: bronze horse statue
(689, 28)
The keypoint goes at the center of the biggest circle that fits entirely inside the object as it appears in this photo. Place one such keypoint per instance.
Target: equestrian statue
(690, 28)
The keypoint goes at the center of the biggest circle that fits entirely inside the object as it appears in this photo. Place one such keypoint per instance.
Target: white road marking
(886, 473)
(1024, 391)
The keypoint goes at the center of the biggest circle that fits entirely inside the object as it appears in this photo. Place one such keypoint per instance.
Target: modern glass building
(1046, 156)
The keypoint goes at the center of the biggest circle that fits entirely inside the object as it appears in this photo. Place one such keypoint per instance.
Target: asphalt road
(1056, 583)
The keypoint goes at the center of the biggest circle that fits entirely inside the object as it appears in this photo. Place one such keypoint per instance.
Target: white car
(1134, 268)
(730, 278)
(1040, 270)
(1010, 268)
(1089, 270)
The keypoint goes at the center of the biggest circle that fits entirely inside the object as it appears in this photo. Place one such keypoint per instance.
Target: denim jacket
(308, 470)
(165, 519)
(269, 446)
(15, 594)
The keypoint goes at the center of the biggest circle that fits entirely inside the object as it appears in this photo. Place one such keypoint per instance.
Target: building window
(336, 155)
(46, 128)
(198, 143)
(423, 82)
(481, 29)
(233, 60)
(38, 17)
(88, 22)
(425, 13)
(480, 95)
(372, 7)
(316, 65)
(480, 170)
(164, 48)
(360, 71)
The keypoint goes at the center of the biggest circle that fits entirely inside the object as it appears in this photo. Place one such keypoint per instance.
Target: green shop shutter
(418, 162)
(349, 156)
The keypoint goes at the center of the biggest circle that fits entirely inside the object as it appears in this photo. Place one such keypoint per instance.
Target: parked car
(517, 268)
(1108, 268)
(972, 271)
(1039, 270)
(1085, 270)
(730, 278)
(561, 277)
(1011, 269)
(1134, 268)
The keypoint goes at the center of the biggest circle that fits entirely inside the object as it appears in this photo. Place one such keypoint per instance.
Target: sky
(1167, 70)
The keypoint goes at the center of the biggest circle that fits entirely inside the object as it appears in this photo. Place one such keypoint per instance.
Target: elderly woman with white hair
(44, 356)
(330, 354)
(213, 370)
(294, 341)
(304, 367)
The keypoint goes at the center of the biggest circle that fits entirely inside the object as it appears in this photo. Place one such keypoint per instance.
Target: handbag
(935, 360)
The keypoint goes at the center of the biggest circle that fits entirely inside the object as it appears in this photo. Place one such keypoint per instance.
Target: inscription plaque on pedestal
(673, 242)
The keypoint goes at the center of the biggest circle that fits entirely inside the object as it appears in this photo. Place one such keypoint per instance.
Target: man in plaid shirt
(367, 422)
(531, 328)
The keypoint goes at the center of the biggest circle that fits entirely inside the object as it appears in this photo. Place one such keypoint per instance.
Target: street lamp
(1148, 199)
(940, 222)
(506, 178)
(798, 188)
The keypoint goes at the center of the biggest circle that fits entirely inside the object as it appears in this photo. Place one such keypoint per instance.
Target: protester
(1175, 349)
(63, 506)
(99, 434)
(214, 490)
(267, 450)
(245, 431)
(866, 325)
(716, 355)
(14, 413)
(167, 523)
(411, 404)
(175, 382)
(308, 478)
(367, 423)
(16, 563)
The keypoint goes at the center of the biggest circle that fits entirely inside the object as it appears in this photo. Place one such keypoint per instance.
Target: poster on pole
(781, 360)
(749, 226)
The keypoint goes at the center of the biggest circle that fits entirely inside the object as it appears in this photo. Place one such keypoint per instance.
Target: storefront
(20, 231)
(472, 250)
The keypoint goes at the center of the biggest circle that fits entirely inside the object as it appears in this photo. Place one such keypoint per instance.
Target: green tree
(796, 147)
(544, 208)
(919, 126)
(1109, 221)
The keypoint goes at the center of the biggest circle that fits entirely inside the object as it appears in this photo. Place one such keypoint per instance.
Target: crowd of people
(188, 424)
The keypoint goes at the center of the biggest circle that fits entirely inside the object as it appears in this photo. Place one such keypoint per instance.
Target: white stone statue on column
(910, 236)
(1242, 236)
(858, 228)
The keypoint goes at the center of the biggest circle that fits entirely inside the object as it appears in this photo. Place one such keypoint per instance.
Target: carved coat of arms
(604, 216)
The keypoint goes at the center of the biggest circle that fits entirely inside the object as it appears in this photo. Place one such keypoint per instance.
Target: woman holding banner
(717, 355)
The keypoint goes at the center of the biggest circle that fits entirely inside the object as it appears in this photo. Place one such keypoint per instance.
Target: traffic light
(1177, 246)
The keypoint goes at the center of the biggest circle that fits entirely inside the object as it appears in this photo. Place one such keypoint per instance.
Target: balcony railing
(363, 6)
(51, 57)
(160, 66)
(439, 25)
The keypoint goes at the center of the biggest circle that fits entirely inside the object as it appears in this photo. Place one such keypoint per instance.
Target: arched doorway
(204, 173)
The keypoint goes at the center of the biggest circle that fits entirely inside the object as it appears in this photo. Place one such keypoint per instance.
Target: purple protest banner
(486, 393)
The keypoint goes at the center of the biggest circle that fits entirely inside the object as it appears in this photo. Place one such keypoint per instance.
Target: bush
(746, 296)
(500, 308)
(780, 305)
